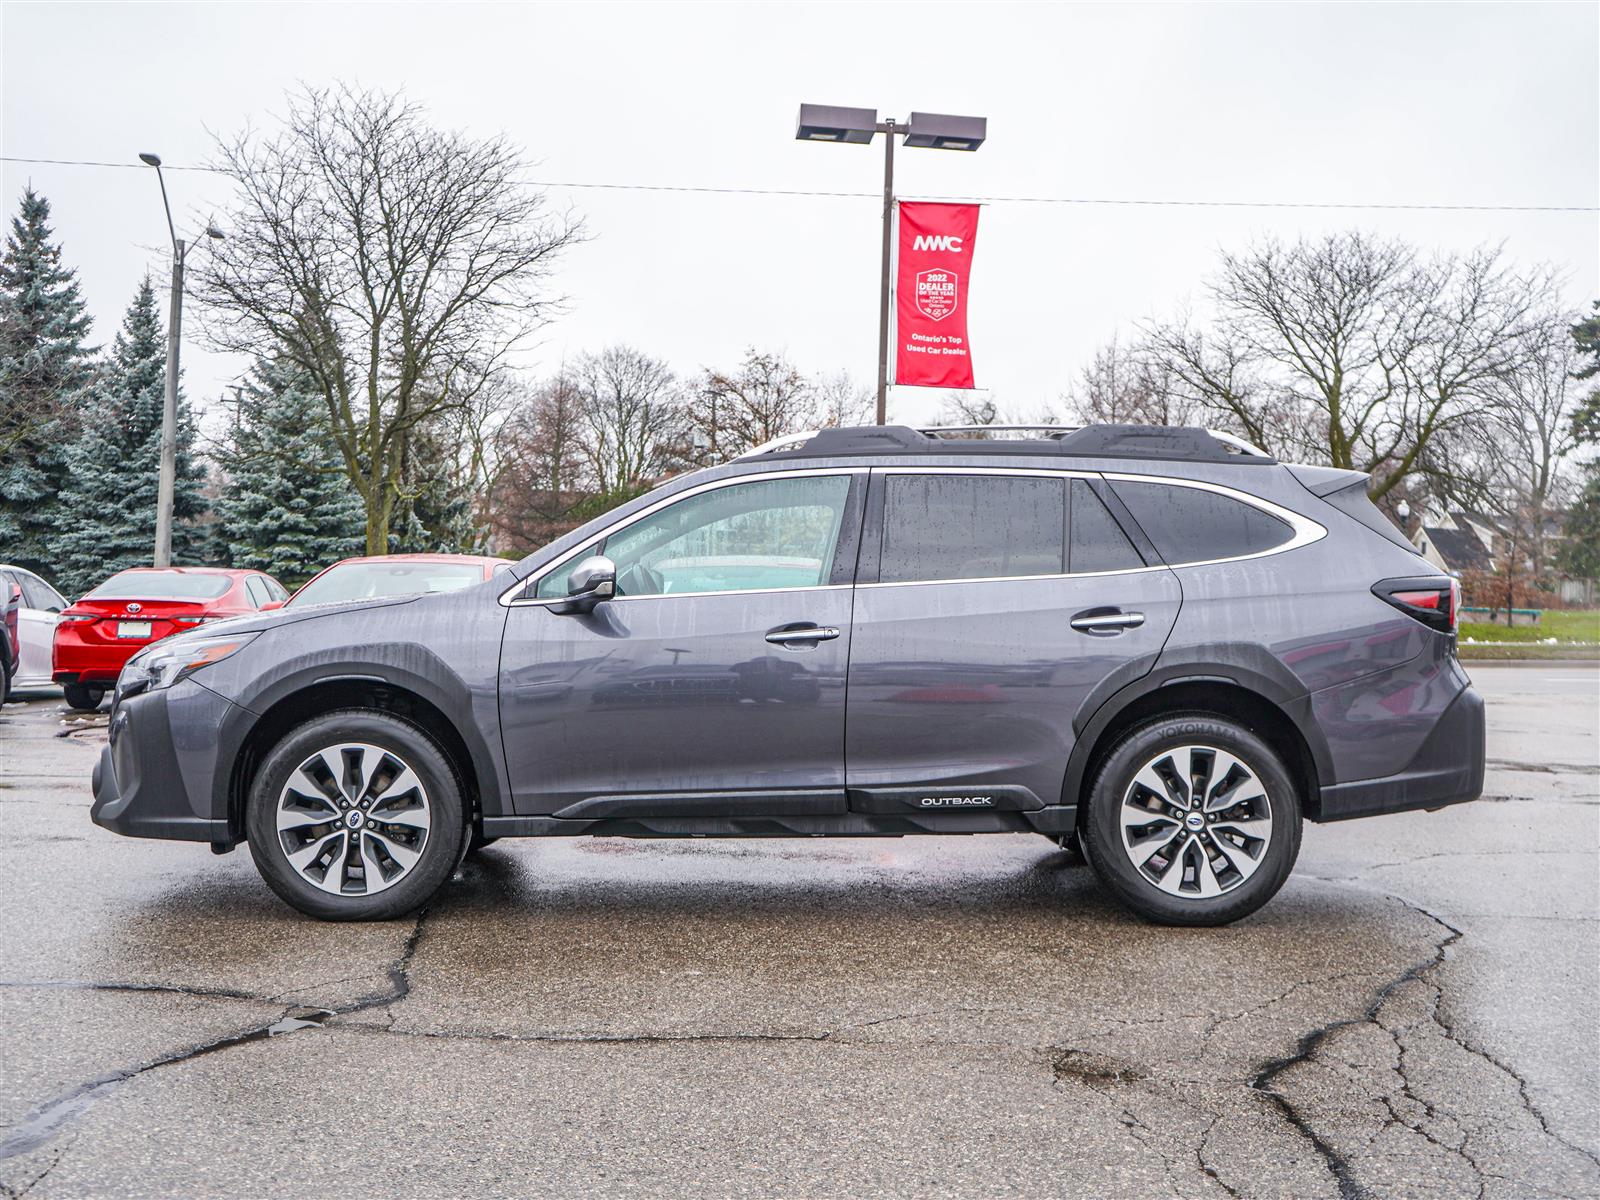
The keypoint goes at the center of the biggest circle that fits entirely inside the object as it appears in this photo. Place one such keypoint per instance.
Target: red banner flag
(936, 245)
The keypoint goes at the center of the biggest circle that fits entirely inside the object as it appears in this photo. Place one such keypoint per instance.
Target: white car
(36, 625)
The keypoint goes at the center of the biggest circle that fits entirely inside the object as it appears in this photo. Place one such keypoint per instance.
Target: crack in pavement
(1093, 1072)
(47, 1120)
(1423, 974)
(1501, 764)
(1338, 1166)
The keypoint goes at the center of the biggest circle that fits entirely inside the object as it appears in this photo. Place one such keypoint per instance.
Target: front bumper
(156, 778)
(1446, 769)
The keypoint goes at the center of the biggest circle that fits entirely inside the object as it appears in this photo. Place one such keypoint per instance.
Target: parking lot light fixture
(857, 126)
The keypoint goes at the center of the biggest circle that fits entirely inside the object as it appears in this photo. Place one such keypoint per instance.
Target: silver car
(37, 617)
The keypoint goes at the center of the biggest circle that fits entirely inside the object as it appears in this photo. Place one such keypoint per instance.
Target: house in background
(1454, 545)
(1463, 540)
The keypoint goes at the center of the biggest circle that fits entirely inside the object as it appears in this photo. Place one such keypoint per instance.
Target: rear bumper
(1446, 769)
(90, 664)
(148, 784)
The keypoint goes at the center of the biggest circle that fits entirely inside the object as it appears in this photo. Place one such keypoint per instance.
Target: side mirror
(272, 604)
(591, 581)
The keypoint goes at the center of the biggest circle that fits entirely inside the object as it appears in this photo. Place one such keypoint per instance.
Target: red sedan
(396, 575)
(133, 608)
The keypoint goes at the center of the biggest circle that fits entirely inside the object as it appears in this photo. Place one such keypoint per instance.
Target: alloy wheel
(1196, 821)
(353, 819)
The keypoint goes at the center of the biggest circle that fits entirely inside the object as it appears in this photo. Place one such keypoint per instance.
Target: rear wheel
(83, 697)
(1193, 820)
(355, 816)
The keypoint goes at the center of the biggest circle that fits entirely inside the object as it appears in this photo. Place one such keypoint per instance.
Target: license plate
(139, 629)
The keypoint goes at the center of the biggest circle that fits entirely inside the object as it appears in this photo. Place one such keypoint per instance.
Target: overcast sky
(1424, 104)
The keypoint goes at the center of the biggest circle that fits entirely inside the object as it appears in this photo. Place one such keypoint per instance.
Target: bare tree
(542, 476)
(1508, 462)
(969, 408)
(841, 401)
(395, 262)
(1351, 350)
(763, 398)
(1129, 385)
(630, 413)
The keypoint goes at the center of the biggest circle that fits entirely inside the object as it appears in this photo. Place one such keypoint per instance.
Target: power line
(1107, 201)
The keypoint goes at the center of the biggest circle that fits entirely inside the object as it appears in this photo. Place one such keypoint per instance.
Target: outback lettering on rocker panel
(1158, 646)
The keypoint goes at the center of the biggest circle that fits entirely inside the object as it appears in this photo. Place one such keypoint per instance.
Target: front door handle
(809, 635)
(1111, 622)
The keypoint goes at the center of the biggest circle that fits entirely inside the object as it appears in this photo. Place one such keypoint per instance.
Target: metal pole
(169, 415)
(888, 128)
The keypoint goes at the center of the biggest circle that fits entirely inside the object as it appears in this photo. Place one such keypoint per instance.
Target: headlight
(161, 664)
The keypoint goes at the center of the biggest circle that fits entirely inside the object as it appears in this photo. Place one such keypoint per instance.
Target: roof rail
(1171, 442)
(1048, 430)
(787, 441)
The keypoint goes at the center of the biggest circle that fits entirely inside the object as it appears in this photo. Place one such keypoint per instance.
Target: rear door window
(949, 526)
(1190, 525)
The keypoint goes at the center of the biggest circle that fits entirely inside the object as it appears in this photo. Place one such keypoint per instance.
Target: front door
(990, 604)
(713, 684)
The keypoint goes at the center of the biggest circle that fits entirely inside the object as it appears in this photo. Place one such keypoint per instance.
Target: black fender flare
(247, 713)
(1250, 668)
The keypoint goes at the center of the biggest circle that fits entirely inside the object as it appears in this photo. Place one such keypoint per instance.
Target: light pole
(167, 482)
(857, 126)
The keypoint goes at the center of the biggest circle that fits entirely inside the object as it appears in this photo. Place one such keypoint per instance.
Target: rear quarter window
(1189, 525)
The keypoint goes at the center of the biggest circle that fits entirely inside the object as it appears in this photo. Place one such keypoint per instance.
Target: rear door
(37, 625)
(990, 603)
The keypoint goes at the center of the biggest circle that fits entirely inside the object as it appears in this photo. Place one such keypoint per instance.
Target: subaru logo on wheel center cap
(354, 819)
(1194, 820)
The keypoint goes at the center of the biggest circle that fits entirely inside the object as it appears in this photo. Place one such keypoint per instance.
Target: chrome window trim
(1306, 531)
(509, 598)
(816, 587)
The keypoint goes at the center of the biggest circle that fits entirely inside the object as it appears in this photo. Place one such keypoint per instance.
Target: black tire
(1102, 834)
(5, 673)
(83, 697)
(412, 747)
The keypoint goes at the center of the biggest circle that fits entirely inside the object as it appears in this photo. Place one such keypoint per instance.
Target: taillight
(1434, 601)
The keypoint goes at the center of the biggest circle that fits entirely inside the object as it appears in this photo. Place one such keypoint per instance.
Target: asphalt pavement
(1416, 1014)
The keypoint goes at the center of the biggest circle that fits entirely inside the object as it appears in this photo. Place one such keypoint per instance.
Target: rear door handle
(1107, 622)
(802, 637)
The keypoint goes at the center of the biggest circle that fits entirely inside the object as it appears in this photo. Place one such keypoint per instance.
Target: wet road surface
(1415, 1015)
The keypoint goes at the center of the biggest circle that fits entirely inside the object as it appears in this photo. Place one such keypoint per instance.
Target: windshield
(369, 580)
(161, 585)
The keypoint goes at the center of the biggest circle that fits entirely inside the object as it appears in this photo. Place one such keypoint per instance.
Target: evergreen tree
(106, 519)
(434, 513)
(44, 367)
(1580, 549)
(286, 506)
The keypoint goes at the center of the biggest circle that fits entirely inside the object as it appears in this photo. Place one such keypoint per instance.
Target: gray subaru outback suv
(1158, 643)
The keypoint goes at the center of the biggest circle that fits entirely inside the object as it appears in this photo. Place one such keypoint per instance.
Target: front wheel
(1193, 820)
(83, 697)
(355, 816)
